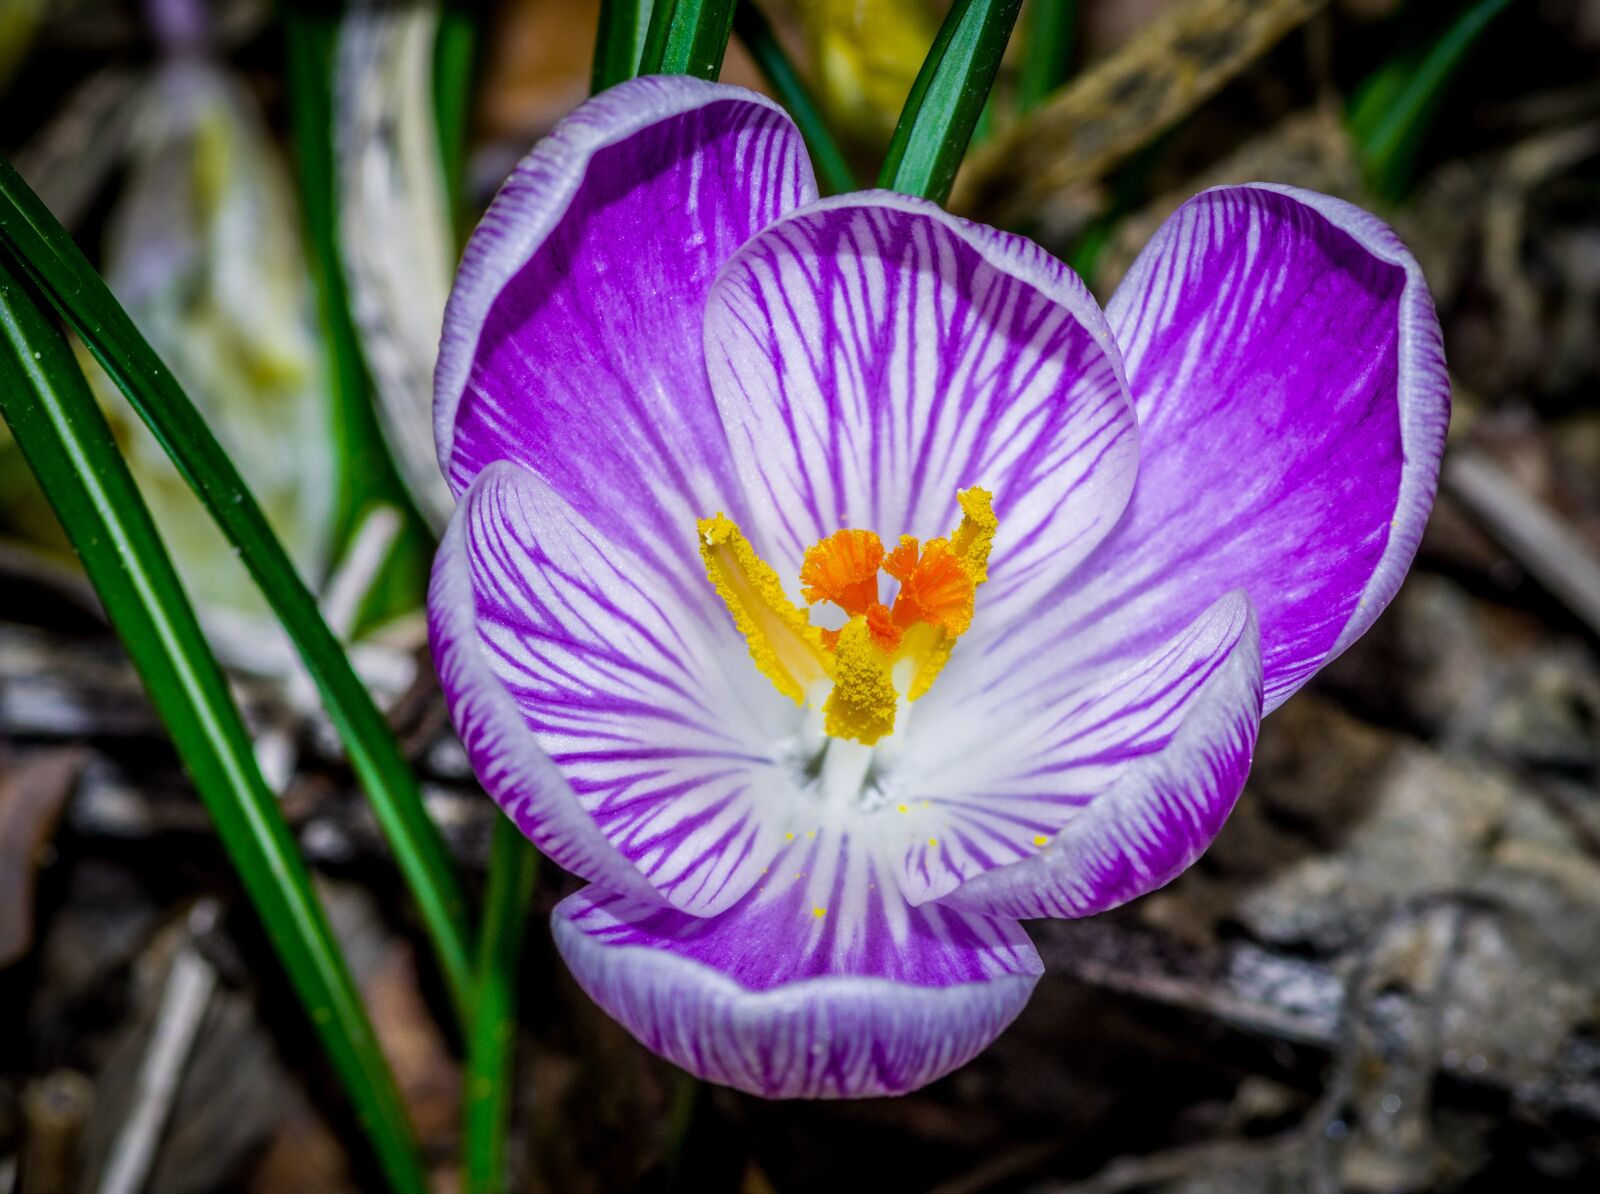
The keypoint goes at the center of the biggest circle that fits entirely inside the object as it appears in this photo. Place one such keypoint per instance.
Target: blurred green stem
(754, 30)
(68, 444)
(619, 42)
(1393, 108)
(455, 51)
(1049, 46)
(367, 474)
(491, 1046)
(680, 1126)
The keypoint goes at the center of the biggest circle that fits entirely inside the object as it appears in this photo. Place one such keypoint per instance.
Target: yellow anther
(1039, 839)
(938, 587)
(819, 912)
(785, 646)
(934, 607)
(974, 538)
(862, 703)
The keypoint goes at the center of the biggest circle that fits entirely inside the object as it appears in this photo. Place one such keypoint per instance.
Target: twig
(1529, 530)
(183, 1007)
(1279, 996)
(1008, 1165)
(54, 1111)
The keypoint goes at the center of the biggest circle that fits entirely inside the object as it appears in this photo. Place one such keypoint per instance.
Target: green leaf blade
(947, 99)
(1392, 110)
(68, 444)
(1051, 44)
(619, 41)
(53, 262)
(687, 37)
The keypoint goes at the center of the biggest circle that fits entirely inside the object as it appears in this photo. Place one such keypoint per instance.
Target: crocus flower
(834, 585)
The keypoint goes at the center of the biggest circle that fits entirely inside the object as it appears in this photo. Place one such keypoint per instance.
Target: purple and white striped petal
(504, 755)
(823, 983)
(572, 338)
(995, 774)
(872, 355)
(1167, 805)
(649, 708)
(1286, 364)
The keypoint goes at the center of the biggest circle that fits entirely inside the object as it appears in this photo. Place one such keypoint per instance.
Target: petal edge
(1156, 819)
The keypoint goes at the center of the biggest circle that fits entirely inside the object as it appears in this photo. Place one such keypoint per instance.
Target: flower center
(883, 653)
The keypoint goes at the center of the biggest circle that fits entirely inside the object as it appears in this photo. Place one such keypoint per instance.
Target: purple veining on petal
(856, 362)
(1285, 363)
(1006, 767)
(872, 355)
(822, 983)
(502, 750)
(572, 340)
(651, 711)
(1162, 812)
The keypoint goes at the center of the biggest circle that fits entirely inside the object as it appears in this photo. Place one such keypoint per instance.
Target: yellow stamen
(934, 607)
(785, 646)
(938, 587)
(974, 538)
(862, 703)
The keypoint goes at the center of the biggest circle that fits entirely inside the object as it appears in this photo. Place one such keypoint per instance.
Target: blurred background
(1384, 976)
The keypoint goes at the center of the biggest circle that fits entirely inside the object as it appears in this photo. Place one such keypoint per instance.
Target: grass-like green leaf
(455, 51)
(1393, 109)
(513, 866)
(619, 41)
(687, 37)
(833, 168)
(1050, 44)
(49, 257)
(67, 442)
(947, 98)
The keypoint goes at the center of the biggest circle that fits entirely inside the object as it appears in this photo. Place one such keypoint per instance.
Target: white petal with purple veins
(1168, 804)
(872, 355)
(1285, 362)
(822, 983)
(649, 708)
(1005, 762)
(572, 338)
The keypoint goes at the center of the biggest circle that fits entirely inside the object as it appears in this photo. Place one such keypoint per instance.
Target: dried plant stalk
(1164, 72)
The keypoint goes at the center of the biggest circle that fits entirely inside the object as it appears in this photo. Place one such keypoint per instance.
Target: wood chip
(32, 795)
